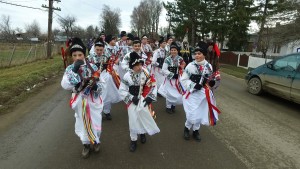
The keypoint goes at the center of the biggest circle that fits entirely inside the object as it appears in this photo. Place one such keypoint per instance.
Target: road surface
(253, 132)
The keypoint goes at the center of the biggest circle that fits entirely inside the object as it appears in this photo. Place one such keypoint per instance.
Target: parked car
(280, 77)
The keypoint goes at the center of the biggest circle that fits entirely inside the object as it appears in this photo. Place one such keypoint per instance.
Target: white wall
(255, 61)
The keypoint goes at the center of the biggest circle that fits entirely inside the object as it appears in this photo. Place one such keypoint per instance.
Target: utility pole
(50, 19)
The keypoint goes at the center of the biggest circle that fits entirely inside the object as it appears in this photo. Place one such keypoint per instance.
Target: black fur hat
(102, 33)
(77, 45)
(130, 36)
(109, 38)
(169, 36)
(99, 42)
(136, 40)
(161, 40)
(123, 33)
(135, 59)
(144, 37)
(202, 47)
(174, 45)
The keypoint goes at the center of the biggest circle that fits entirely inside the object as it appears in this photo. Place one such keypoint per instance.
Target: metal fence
(13, 54)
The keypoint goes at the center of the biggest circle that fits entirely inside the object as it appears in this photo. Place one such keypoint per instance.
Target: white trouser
(107, 108)
(189, 125)
(133, 136)
(168, 104)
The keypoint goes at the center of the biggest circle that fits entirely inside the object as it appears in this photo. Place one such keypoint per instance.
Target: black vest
(134, 90)
(173, 69)
(160, 61)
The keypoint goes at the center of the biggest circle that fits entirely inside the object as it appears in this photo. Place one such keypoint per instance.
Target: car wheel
(254, 86)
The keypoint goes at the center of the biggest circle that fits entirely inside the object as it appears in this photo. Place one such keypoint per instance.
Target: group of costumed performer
(138, 90)
(198, 101)
(84, 79)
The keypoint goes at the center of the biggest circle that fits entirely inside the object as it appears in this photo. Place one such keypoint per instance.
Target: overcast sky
(86, 11)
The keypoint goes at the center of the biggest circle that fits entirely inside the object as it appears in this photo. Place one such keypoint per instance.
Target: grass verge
(234, 71)
(18, 82)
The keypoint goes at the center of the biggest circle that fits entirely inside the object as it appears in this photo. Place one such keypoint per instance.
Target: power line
(24, 6)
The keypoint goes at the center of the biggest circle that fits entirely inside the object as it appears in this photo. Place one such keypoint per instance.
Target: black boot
(108, 116)
(143, 138)
(196, 135)
(186, 133)
(173, 109)
(86, 151)
(133, 145)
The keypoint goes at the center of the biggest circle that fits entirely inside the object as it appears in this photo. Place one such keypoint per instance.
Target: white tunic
(168, 89)
(140, 119)
(92, 104)
(195, 103)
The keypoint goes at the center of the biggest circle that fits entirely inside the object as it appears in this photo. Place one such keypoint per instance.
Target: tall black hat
(134, 59)
(77, 45)
(130, 36)
(169, 36)
(123, 33)
(161, 40)
(174, 45)
(144, 37)
(136, 40)
(102, 33)
(109, 38)
(99, 42)
(202, 47)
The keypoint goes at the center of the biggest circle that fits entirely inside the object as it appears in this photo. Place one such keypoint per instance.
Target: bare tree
(6, 30)
(33, 29)
(110, 20)
(145, 17)
(67, 24)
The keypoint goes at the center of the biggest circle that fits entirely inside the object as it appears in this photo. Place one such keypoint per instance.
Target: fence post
(238, 62)
(28, 54)
(35, 51)
(11, 56)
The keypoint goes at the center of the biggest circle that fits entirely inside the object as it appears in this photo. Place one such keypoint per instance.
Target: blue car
(280, 77)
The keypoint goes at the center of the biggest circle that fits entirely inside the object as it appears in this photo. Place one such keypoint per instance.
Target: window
(289, 63)
(277, 48)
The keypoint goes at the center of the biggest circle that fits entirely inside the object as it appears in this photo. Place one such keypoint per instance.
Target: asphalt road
(253, 132)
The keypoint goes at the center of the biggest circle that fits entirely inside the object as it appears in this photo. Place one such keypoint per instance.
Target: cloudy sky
(86, 11)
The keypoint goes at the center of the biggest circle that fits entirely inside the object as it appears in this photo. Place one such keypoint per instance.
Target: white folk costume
(157, 62)
(110, 92)
(135, 89)
(84, 80)
(122, 44)
(198, 102)
(87, 108)
(147, 50)
(171, 89)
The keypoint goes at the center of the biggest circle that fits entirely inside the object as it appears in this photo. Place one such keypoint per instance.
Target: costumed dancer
(138, 90)
(147, 49)
(110, 93)
(122, 44)
(198, 102)
(92, 50)
(169, 42)
(185, 50)
(171, 89)
(158, 61)
(136, 47)
(86, 83)
(213, 55)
